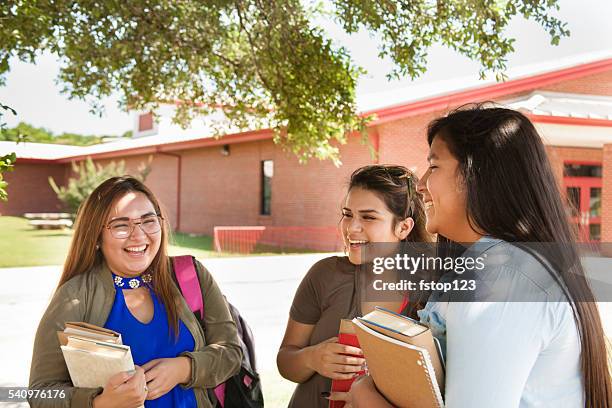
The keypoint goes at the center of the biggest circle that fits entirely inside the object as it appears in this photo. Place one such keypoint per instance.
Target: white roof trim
(564, 105)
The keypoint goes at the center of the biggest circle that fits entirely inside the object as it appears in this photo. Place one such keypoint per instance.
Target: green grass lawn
(23, 245)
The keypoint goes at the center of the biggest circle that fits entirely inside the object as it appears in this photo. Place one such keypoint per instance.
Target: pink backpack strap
(188, 281)
(187, 277)
(220, 394)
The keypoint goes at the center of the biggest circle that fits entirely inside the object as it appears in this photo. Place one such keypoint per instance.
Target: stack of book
(93, 354)
(403, 358)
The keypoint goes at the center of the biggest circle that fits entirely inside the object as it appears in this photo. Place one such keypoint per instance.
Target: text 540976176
(21, 394)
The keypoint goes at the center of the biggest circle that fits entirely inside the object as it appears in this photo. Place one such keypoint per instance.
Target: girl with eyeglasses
(118, 275)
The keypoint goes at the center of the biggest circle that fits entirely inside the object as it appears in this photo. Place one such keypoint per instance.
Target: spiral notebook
(408, 375)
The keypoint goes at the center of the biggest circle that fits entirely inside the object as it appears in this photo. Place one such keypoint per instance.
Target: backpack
(244, 388)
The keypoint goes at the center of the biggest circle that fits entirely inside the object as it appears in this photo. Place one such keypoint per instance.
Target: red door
(584, 196)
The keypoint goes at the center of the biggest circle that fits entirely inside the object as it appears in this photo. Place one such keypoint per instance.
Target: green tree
(33, 134)
(6, 164)
(263, 62)
(88, 176)
(7, 161)
(75, 139)
(42, 135)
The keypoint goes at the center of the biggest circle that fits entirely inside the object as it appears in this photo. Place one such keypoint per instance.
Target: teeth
(136, 249)
(352, 241)
(428, 205)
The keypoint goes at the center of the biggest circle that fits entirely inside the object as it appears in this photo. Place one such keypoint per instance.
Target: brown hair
(90, 221)
(396, 186)
(512, 195)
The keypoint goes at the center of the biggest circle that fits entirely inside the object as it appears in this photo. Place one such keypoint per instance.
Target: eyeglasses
(121, 229)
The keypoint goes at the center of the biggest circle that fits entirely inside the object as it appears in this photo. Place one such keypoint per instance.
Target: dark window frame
(582, 169)
(265, 207)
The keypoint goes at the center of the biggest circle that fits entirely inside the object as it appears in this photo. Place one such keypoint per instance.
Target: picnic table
(47, 216)
(49, 220)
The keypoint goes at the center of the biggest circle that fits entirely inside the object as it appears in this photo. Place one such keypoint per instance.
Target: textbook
(93, 354)
(347, 336)
(89, 331)
(403, 359)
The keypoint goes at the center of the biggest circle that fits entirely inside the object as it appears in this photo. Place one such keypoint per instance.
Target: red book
(348, 337)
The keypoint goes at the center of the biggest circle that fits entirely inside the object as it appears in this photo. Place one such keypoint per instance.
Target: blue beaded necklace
(133, 282)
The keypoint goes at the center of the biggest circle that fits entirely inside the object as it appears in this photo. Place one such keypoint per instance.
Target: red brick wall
(560, 154)
(404, 142)
(29, 189)
(606, 195)
(598, 84)
(225, 190)
(219, 190)
(162, 180)
(321, 186)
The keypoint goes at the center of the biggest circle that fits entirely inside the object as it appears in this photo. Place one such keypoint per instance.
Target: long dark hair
(89, 225)
(396, 186)
(512, 194)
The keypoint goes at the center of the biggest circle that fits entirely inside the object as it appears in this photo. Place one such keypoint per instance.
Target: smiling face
(366, 219)
(444, 195)
(132, 255)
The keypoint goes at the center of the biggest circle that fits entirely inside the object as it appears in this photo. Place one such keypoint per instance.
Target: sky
(32, 89)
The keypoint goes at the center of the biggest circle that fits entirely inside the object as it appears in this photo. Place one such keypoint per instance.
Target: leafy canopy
(264, 63)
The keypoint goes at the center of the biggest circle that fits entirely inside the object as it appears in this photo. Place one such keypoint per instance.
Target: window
(573, 197)
(145, 122)
(595, 232)
(595, 202)
(581, 170)
(267, 172)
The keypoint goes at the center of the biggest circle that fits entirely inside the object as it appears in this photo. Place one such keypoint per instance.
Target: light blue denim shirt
(508, 354)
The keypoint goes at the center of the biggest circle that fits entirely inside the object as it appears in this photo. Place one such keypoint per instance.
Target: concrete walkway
(262, 288)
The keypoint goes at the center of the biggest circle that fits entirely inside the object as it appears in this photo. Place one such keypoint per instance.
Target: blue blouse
(152, 341)
(508, 354)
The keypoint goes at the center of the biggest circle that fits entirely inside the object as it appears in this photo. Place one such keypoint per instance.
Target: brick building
(243, 179)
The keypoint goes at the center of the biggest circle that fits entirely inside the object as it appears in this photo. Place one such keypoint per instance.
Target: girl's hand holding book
(336, 361)
(123, 390)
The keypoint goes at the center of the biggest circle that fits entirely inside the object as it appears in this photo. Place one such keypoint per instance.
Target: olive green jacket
(89, 298)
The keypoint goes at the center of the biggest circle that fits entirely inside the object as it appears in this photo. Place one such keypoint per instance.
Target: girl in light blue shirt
(530, 335)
